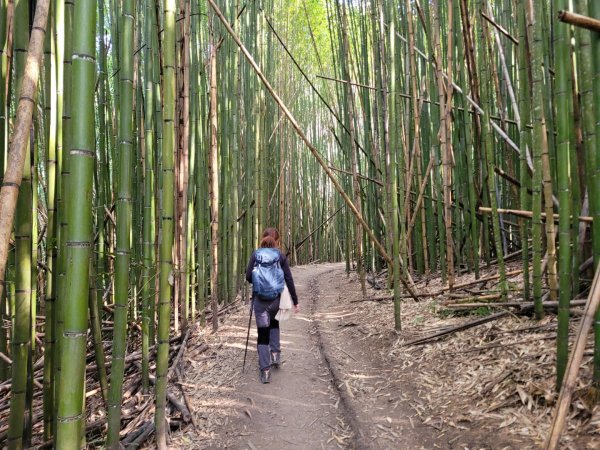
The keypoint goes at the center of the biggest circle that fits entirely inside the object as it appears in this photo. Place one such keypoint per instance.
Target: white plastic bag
(285, 305)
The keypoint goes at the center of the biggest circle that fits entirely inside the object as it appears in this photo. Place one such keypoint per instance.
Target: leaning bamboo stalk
(529, 214)
(569, 382)
(498, 27)
(18, 147)
(420, 197)
(307, 142)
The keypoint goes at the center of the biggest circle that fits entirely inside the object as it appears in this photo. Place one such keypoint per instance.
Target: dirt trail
(300, 408)
(306, 405)
(335, 389)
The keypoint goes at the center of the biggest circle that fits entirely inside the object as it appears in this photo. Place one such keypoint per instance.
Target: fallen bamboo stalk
(471, 283)
(185, 397)
(386, 297)
(579, 20)
(179, 353)
(380, 248)
(147, 430)
(507, 344)
(461, 327)
(559, 415)
(529, 214)
(522, 305)
(133, 435)
(174, 400)
(482, 299)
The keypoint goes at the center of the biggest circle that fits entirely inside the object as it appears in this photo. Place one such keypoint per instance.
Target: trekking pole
(248, 335)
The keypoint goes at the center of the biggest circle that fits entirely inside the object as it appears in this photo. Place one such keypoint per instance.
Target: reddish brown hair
(268, 242)
(270, 238)
(271, 232)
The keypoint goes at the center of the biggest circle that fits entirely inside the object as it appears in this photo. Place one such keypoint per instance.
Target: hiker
(272, 265)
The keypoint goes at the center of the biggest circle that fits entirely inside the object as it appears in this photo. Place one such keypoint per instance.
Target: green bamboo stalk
(350, 108)
(392, 174)
(149, 218)
(98, 271)
(200, 177)
(21, 321)
(538, 140)
(213, 186)
(594, 190)
(525, 143)
(124, 220)
(4, 367)
(562, 97)
(594, 11)
(167, 214)
(64, 33)
(71, 398)
(51, 120)
(489, 158)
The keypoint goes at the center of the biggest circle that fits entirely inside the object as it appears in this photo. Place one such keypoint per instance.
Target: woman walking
(272, 262)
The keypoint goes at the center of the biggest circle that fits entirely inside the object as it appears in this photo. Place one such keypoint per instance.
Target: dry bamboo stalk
(509, 86)
(499, 27)
(559, 416)
(579, 20)
(529, 214)
(380, 248)
(420, 197)
(20, 138)
(522, 305)
(421, 98)
(373, 88)
(461, 327)
(213, 185)
(445, 98)
(469, 300)
(480, 280)
(362, 177)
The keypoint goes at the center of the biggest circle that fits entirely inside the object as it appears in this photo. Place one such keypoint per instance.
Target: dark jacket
(287, 274)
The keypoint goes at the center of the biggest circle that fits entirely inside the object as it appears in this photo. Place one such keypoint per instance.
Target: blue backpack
(267, 274)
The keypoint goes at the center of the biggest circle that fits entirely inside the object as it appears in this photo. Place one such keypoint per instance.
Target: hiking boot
(275, 359)
(265, 376)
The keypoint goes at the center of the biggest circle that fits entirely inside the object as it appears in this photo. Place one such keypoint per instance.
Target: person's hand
(296, 308)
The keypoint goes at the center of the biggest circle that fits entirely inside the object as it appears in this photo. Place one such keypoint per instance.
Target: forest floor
(348, 380)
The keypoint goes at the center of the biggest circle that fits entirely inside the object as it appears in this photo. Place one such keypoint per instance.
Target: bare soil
(348, 381)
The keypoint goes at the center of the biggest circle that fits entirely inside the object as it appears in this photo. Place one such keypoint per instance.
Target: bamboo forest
(427, 173)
